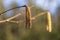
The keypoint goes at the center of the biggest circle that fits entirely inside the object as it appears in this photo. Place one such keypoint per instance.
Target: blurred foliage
(13, 31)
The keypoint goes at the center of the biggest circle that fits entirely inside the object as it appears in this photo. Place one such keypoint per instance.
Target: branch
(9, 19)
(13, 17)
(20, 21)
(32, 18)
(39, 14)
(12, 9)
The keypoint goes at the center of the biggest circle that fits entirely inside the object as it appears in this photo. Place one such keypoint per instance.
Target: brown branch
(32, 18)
(9, 19)
(16, 21)
(39, 14)
(13, 17)
(12, 9)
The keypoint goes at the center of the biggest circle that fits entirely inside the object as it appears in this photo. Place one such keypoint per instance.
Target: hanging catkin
(28, 17)
(49, 27)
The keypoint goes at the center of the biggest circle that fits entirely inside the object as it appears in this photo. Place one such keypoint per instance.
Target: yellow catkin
(28, 17)
(49, 28)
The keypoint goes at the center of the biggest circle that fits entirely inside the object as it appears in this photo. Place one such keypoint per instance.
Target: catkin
(49, 27)
(28, 17)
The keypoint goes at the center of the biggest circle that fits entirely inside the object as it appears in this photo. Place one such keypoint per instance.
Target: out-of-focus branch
(32, 18)
(12, 9)
(9, 19)
(16, 21)
(13, 17)
(39, 14)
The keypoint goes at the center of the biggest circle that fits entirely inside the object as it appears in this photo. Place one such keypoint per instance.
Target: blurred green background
(14, 31)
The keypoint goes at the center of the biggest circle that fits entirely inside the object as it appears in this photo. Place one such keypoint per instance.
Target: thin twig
(7, 20)
(12, 9)
(16, 21)
(40, 14)
(13, 17)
